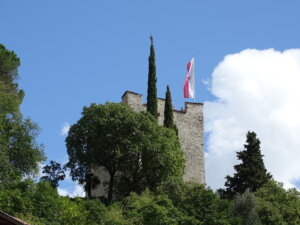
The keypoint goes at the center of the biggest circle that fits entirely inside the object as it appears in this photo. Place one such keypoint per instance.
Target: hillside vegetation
(145, 162)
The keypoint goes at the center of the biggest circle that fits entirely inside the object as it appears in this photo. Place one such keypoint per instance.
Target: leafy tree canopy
(196, 201)
(136, 152)
(19, 152)
(244, 207)
(149, 209)
(278, 206)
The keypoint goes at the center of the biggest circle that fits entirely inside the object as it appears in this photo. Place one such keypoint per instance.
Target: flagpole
(194, 81)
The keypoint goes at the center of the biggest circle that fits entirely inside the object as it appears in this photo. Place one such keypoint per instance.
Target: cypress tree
(251, 173)
(168, 113)
(151, 91)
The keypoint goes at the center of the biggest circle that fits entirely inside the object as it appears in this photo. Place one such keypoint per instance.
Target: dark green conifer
(251, 173)
(168, 113)
(152, 91)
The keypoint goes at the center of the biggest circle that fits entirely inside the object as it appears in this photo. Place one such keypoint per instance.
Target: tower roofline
(131, 92)
(194, 103)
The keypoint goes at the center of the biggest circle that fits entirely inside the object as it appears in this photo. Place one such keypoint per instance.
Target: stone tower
(190, 131)
(189, 123)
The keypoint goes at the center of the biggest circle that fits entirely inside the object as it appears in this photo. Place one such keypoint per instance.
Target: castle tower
(189, 123)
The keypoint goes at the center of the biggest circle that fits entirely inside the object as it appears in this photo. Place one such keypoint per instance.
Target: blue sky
(74, 53)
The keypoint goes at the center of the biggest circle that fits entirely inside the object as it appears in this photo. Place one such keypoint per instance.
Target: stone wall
(189, 122)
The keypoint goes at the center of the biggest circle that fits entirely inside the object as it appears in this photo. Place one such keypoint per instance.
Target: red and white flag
(189, 82)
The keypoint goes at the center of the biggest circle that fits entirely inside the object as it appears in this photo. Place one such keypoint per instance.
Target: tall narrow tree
(152, 91)
(251, 173)
(168, 113)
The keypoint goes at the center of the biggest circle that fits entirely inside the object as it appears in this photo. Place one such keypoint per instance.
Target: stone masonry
(189, 122)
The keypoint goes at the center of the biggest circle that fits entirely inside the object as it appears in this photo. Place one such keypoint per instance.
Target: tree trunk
(111, 187)
(88, 186)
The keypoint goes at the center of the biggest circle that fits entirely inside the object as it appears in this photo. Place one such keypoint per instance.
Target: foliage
(54, 173)
(9, 63)
(73, 211)
(28, 198)
(114, 216)
(244, 207)
(10, 96)
(201, 203)
(206, 206)
(80, 211)
(9, 100)
(46, 202)
(16, 198)
(275, 205)
(23, 151)
(30, 219)
(39, 203)
(251, 173)
(168, 112)
(149, 209)
(96, 212)
(152, 91)
(19, 152)
(136, 152)
(174, 203)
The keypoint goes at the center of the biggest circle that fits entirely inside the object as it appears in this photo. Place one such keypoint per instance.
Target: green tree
(149, 209)
(198, 202)
(251, 173)
(9, 63)
(206, 206)
(46, 203)
(53, 173)
(152, 91)
(72, 211)
(114, 215)
(244, 207)
(277, 206)
(168, 112)
(96, 212)
(19, 152)
(17, 197)
(135, 151)
(31, 200)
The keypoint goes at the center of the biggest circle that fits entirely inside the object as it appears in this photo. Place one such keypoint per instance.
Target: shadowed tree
(152, 91)
(53, 173)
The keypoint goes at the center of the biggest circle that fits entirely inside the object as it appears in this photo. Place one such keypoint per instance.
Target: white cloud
(257, 90)
(75, 191)
(65, 129)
